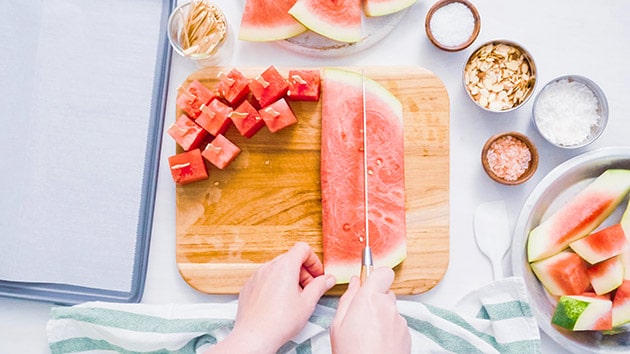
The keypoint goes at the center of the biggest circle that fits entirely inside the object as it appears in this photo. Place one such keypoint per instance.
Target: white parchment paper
(76, 81)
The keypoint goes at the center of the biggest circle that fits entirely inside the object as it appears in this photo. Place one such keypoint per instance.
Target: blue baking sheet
(35, 217)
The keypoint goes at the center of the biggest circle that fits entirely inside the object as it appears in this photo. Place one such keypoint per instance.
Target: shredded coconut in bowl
(567, 112)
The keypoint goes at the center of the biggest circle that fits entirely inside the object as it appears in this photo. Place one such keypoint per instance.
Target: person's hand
(277, 301)
(367, 320)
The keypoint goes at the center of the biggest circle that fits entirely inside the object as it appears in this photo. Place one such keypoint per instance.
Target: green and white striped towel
(494, 319)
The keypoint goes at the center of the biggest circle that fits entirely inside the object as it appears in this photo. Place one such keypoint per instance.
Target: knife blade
(367, 263)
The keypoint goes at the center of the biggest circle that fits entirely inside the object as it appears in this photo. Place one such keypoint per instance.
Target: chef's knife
(366, 257)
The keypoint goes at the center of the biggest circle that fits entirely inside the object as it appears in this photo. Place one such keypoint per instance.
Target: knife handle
(367, 264)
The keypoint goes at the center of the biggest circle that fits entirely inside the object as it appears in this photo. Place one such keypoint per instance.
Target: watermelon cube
(233, 87)
(193, 97)
(246, 119)
(268, 87)
(221, 151)
(621, 305)
(188, 167)
(188, 134)
(215, 117)
(580, 215)
(606, 276)
(583, 313)
(304, 85)
(278, 115)
(563, 274)
(601, 245)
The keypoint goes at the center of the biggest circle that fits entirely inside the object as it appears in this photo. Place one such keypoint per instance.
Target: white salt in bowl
(452, 25)
(570, 111)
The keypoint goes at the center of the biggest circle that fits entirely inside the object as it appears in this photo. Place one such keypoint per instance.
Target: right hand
(367, 320)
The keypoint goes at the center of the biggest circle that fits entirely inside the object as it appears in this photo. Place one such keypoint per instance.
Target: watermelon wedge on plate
(265, 20)
(339, 20)
(342, 179)
(385, 7)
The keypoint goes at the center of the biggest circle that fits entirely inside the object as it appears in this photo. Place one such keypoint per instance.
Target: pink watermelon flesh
(265, 20)
(385, 7)
(601, 245)
(339, 20)
(581, 215)
(621, 305)
(606, 276)
(562, 274)
(342, 174)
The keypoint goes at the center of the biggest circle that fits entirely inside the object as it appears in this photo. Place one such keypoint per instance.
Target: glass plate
(374, 29)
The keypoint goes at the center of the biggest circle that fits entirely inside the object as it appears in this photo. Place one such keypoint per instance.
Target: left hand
(277, 301)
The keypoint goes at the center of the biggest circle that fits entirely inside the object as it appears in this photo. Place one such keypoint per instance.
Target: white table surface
(583, 37)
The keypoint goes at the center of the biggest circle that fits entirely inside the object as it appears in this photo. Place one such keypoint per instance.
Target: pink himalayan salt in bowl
(509, 158)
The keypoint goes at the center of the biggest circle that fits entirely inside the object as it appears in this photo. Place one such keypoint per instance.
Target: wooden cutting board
(270, 197)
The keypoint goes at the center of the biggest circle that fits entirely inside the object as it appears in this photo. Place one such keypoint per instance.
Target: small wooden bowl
(465, 44)
(526, 175)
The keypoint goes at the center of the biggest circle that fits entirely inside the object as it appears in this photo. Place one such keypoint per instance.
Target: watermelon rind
(569, 224)
(606, 276)
(581, 313)
(343, 267)
(625, 221)
(343, 26)
(374, 8)
(265, 21)
(621, 305)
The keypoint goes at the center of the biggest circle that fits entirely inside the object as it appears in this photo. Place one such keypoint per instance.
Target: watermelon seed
(379, 161)
(370, 171)
(361, 239)
(360, 148)
(346, 227)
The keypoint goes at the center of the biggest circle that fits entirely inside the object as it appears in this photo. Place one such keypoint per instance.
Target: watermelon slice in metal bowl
(553, 191)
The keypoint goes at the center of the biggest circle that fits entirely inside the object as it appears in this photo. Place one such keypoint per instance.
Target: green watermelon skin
(385, 7)
(580, 216)
(265, 20)
(342, 182)
(583, 313)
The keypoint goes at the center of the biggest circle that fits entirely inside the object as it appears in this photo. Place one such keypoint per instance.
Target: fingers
(303, 253)
(317, 287)
(380, 280)
(347, 297)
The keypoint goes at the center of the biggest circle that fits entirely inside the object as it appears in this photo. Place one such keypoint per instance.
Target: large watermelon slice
(581, 215)
(385, 7)
(342, 174)
(336, 19)
(268, 20)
